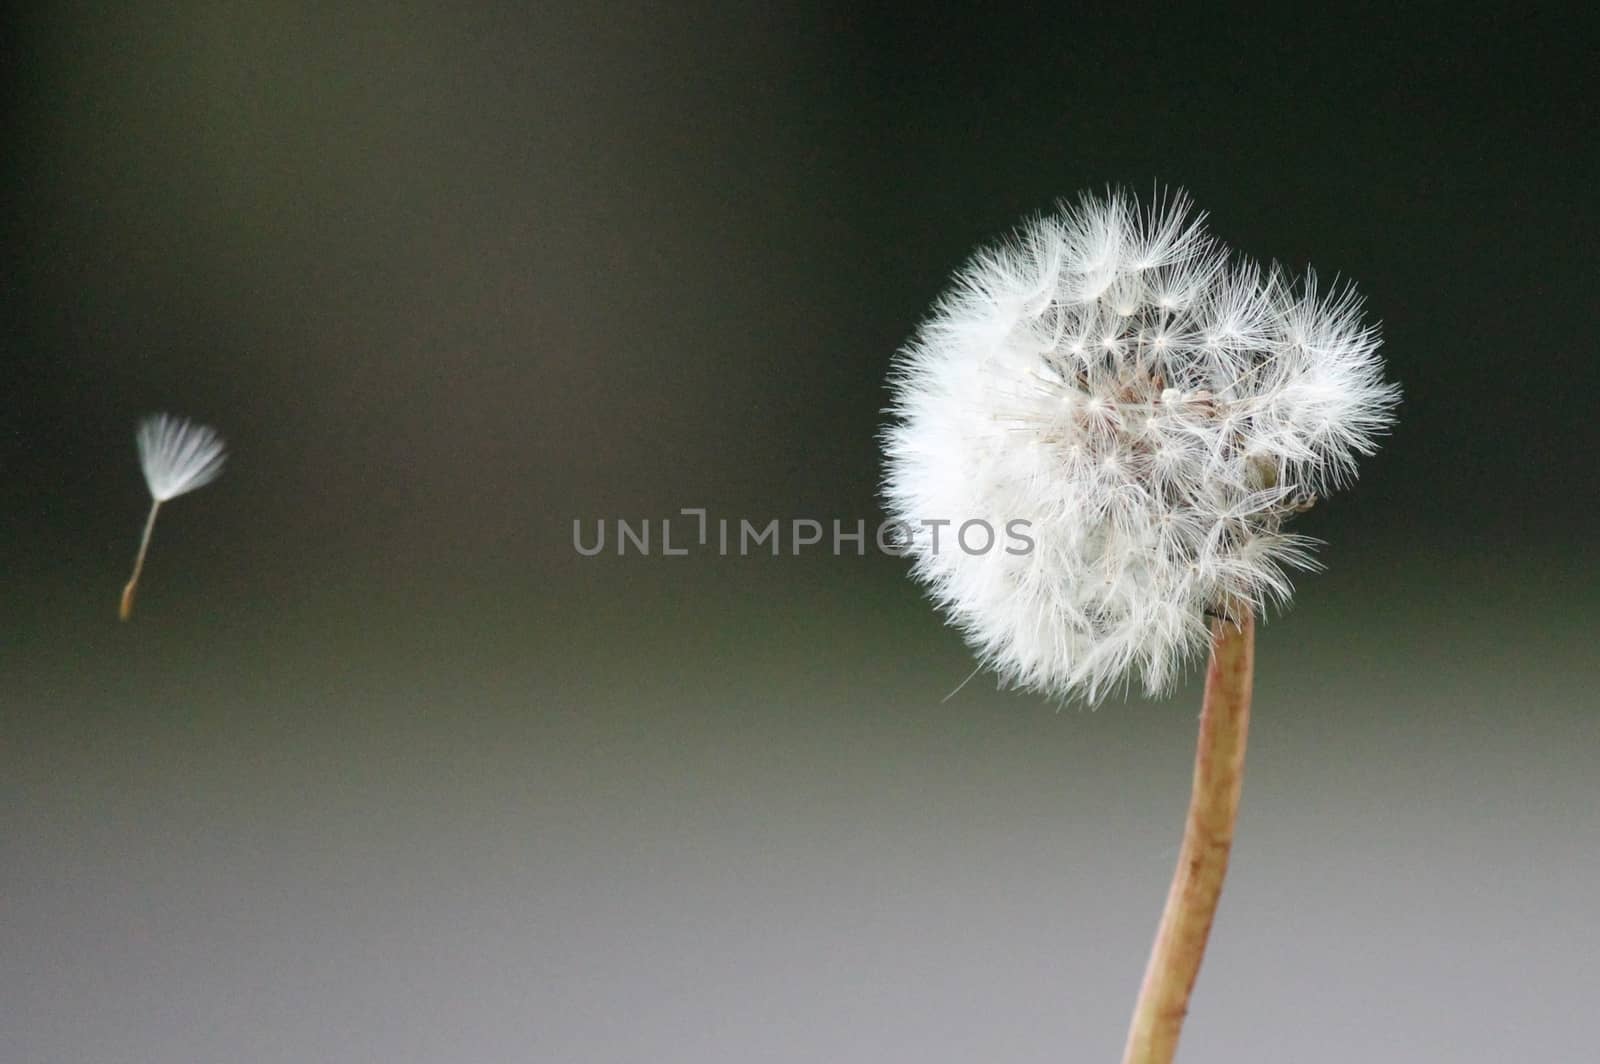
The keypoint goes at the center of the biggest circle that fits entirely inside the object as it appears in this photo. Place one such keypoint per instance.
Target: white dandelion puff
(177, 456)
(1155, 408)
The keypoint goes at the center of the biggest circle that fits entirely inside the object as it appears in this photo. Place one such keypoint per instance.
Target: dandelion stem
(1213, 808)
(138, 563)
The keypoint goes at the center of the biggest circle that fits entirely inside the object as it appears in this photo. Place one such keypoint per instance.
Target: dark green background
(381, 770)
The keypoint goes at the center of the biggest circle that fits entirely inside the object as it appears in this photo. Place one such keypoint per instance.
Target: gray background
(382, 771)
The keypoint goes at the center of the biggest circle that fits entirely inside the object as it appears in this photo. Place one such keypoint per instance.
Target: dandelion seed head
(1155, 407)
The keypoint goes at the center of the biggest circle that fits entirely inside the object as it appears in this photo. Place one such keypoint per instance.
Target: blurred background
(382, 770)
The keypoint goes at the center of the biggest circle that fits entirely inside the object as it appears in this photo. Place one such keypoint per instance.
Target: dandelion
(177, 457)
(1156, 409)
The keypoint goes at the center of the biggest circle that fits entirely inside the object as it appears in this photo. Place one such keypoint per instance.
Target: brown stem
(126, 609)
(1208, 835)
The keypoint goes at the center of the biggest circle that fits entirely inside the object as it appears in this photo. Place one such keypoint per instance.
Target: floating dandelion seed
(177, 457)
(1155, 409)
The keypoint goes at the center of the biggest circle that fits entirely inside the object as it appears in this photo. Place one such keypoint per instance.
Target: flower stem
(1197, 884)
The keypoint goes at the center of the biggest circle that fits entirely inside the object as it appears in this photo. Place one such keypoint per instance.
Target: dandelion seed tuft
(177, 456)
(1155, 408)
